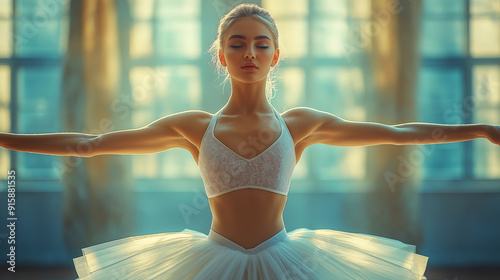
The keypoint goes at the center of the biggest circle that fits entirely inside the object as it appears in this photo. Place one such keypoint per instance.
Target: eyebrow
(243, 37)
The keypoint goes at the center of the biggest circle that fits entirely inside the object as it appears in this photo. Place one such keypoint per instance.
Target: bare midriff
(248, 217)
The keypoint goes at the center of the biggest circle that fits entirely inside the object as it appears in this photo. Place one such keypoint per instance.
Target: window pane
(440, 8)
(38, 11)
(485, 35)
(145, 83)
(341, 9)
(286, 8)
(38, 27)
(39, 112)
(141, 40)
(6, 42)
(293, 37)
(178, 163)
(443, 28)
(4, 118)
(178, 8)
(290, 17)
(486, 87)
(5, 8)
(164, 90)
(341, 91)
(338, 9)
(40, 40)
(484, 7)
(290, 87)
(4, 163)
(487, 110)
(440, 101)
(39, 99)
(441, 37)
(178, 38)
(329, 37)
(337, 163)
(145, 166)
(142, 9)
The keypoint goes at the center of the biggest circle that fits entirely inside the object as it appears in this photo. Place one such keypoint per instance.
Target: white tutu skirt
(300, 254)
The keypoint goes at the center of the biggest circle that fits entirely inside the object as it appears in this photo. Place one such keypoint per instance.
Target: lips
(249, 66)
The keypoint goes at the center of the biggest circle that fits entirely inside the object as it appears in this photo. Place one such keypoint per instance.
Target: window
(34, 36)
(459, 83)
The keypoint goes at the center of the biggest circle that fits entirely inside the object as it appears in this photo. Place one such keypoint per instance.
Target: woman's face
(248, 40)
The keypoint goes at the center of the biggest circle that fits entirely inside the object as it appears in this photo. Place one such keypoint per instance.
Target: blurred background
(97, 66)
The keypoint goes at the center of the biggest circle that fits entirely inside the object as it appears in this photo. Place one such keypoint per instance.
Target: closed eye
(262, 47)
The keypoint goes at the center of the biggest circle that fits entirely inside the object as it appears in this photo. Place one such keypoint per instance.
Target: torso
(247, 216)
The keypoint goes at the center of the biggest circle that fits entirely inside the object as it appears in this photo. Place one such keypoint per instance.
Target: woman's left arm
(325, 128)
(429, 133)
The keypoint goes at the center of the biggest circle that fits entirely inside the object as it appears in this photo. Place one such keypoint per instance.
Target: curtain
(97, 191)
(392, 203)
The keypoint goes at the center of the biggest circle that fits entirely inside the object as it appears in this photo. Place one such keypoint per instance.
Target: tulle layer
(300, 254)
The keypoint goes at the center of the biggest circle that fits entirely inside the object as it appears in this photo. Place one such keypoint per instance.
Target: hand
(494, 134)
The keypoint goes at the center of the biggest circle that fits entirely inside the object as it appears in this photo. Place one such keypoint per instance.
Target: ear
(222, 59)
(275, 58)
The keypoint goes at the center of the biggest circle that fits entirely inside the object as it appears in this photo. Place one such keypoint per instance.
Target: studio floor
(67, 273)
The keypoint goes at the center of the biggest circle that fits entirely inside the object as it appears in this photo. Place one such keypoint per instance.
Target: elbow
(86, 148)
(400, 136)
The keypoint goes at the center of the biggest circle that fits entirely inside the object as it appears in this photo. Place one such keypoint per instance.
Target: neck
(247, 98)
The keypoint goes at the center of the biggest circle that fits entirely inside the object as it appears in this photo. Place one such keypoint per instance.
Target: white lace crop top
(223, 170)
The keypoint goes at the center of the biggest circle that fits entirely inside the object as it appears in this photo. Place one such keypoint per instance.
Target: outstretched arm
(427, 133)
(61, 144)
(326, 128)
(158, 136)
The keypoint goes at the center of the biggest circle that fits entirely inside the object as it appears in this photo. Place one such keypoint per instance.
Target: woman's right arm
(162, 134)
(61, 144)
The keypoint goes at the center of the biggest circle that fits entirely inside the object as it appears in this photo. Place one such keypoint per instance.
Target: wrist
(486, 131)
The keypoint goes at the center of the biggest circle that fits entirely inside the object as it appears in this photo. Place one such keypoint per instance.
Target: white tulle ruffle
(300, 254)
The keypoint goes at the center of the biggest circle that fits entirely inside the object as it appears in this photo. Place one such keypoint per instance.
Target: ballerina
(246, 153)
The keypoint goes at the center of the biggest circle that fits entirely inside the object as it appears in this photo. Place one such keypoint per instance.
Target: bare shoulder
(302, 121)
(186, 117)
(305, 114)
(190, 124)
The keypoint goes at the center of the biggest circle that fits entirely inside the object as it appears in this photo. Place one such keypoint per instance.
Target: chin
(248, 78)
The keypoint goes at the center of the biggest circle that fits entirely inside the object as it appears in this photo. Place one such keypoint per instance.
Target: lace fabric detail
(223, 170)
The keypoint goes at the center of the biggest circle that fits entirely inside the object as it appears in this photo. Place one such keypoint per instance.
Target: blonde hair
(240, 11)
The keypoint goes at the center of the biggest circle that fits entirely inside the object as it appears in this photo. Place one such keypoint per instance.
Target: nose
(250, 54)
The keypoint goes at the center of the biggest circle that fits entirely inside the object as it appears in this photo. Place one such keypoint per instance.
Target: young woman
(246, 153)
